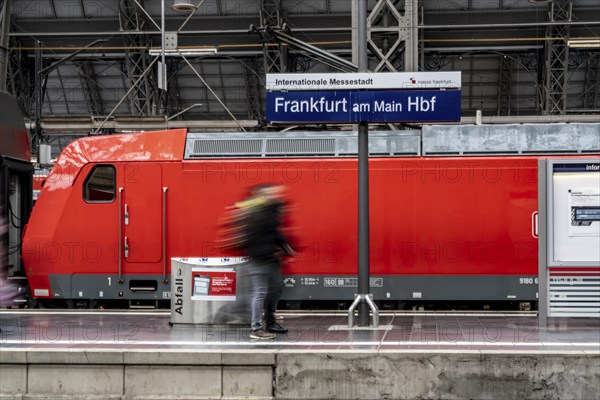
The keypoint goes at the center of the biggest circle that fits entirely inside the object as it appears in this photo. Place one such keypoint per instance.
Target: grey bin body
(209, 291)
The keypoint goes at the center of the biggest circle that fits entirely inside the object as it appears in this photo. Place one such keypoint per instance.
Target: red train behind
(115, 209)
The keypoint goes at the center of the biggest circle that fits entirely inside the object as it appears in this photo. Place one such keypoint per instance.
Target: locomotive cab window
(100, 185)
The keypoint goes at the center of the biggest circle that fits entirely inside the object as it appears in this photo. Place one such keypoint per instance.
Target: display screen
(201, 285)
(586, 214)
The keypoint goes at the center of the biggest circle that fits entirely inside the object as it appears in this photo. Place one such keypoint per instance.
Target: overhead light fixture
(200, 51)
(183, 5)
(540, 1)
(584, 43)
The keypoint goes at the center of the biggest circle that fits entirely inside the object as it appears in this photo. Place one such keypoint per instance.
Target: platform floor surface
(314, 332)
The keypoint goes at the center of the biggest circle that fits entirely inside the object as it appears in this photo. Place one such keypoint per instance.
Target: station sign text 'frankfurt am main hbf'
(363, 97)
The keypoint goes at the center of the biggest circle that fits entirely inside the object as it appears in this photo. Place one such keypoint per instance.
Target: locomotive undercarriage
(412, 293)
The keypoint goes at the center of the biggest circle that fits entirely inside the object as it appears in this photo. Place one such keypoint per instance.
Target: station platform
(138, 355)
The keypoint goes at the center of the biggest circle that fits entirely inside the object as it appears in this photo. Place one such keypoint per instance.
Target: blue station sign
(351, 106)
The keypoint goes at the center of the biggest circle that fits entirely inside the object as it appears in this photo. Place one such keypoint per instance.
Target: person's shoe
(276, 328)
(261, 335)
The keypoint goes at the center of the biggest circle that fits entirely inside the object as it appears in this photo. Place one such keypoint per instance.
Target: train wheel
(291, 305)
(82, 304)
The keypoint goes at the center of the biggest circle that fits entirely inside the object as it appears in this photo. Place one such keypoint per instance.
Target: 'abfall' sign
(351, 106)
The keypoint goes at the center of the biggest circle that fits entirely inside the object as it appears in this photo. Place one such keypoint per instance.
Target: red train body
(442, 228)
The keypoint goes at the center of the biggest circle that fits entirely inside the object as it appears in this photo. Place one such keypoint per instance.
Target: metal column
(144, 98)
(91, 91)
(400, 34)
(363, 300)
(504, 85)
(4, 42)
(557, 58)
(363, 178)
(275, 55)
(592, 83)
(253, 89)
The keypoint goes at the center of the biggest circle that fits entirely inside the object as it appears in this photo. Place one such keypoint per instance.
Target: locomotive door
(141, 214)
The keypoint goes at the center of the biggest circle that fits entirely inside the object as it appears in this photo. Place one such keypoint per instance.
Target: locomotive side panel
(317, 211)
(438, 226)
(428, 217)
(468, 216)
(441, 229)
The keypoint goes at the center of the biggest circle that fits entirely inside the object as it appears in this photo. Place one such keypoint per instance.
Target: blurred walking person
(260, 237)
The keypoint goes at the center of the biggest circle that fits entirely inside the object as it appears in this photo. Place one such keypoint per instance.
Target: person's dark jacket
(262, 239)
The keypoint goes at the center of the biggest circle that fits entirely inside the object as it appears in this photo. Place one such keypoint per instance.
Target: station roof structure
(521, 60)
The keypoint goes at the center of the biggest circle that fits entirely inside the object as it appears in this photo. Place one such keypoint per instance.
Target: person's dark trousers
(258, 277)
(274, 294)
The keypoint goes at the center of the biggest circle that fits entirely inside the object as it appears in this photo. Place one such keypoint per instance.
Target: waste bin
(208, 291)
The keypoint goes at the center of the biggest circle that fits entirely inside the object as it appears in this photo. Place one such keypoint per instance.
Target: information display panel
(575, 213)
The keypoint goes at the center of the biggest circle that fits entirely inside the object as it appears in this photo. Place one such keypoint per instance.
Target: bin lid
(210, 261)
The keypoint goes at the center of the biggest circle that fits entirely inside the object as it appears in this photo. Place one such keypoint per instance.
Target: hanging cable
(13, 216)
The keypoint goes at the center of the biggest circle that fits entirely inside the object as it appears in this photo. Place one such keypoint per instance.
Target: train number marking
(528, 281)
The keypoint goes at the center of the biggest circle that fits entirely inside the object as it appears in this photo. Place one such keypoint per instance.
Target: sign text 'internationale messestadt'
(356, 106)
(364, 80)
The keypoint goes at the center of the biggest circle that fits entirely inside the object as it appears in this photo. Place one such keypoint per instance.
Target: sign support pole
(363, 183)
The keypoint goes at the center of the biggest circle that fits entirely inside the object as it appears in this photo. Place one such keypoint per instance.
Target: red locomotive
(115, 209)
